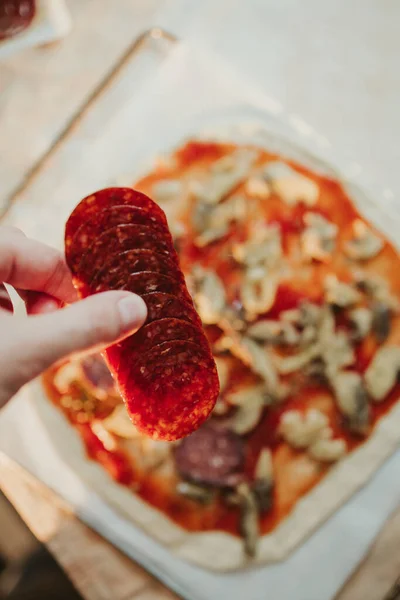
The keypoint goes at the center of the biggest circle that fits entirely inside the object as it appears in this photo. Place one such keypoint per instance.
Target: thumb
(35, 343)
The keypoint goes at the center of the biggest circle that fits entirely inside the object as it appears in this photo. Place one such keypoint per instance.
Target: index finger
(30, 265)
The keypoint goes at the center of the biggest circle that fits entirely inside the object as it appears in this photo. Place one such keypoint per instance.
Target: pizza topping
(209, 295)
(382, 373)
(250, 404)
(328, 450)
(381, 320)
(258, 292)
(301, 430)
(213, 222)
(318, 238)
(120, 424)
(365, 244)
(66, 375)
(195, 492)
(340, 294)
(249, 518)
(167, 190)
(274, 332)
(291, 186)
(361, 322)
(263, 365)
(263, 248)
(352, 400)
(224, 178)
(263, 483)
(211, 456)
(257, 187)
(223, 372)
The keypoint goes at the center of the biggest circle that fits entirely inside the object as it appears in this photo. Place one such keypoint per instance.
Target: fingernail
(133, 312)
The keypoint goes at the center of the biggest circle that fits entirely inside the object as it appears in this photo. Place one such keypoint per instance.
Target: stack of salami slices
(118, 239)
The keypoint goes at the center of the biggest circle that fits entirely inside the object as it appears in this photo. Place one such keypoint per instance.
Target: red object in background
(15, 16)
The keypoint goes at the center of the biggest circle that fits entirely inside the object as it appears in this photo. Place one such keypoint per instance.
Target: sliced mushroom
(274, 332)
(264, 247)
(382, 373)
(352, 400)
(301, 430)
(263, 483)
(262, 364)
(328, 450)
(381, 321)
(257, 187)
(291, 186)
(120, 424)
(209, 296)
(361, 322)
(258, 292)
(213, 222)
(337, 353)
(224, 177)
(249, 519)
(340, 294)
(365, 244)
(195, 492)
(167, 190)
(247, 416)
(290, 364)
(377, 289)
(318, 238)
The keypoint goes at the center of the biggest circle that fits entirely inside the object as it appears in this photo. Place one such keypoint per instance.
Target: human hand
(41, 277)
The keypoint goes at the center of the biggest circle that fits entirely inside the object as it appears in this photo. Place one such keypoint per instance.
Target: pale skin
(56, 325)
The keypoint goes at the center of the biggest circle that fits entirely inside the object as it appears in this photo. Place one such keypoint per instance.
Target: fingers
(37, 303)
(5, 300)
(31, 265)
(33, 344)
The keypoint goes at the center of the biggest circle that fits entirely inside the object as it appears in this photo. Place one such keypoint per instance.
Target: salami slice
(90, 206)
(165, 372)
(161, 305)
(118, 240)
(133, 261)
(171, 389)
(211, 455)
(156, 333)
(104, 220)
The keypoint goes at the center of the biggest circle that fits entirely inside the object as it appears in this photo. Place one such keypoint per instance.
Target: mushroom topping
(381, 321)
(274, 332)
(361, 322)
(120, 424)
(262, 365)
(382, 373)
(66, 375)
(377, 288)
(365, 244)
(318, 238)
(250, 403)
(258, 292)
(249, 518)
(328, 450)
(291, 186)
(263, 248)
(225, 176)
(166, 190)
(195, 492)
(340, 294)
(352, 400)
(290, 364)
(209, 295)
(213, 222)
(301, 430)
(257, 187)
(263, 480)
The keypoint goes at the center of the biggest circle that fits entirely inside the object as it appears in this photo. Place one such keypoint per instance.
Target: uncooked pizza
(298, 296)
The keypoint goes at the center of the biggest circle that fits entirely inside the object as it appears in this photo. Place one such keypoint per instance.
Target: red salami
(165, 372)
(133, 261)
(161, 306)
(170, 390)
(211, 455)
(90, 206)
(156, 333)
(118, 240)
(103, 221)
(15, 16)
